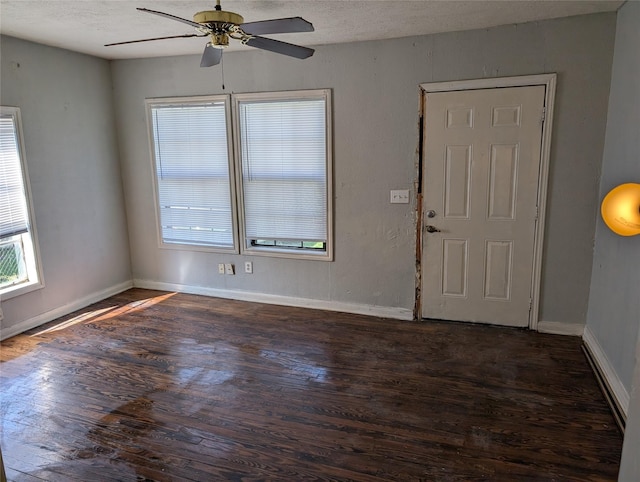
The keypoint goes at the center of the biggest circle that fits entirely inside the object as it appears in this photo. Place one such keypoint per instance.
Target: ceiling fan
(220, 26)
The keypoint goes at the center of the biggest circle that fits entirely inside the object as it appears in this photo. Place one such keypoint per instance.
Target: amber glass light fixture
(621, 209)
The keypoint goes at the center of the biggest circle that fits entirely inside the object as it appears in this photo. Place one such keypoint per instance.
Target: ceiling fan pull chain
(222, 69)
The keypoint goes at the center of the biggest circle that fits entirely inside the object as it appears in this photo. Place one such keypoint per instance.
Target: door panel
(454, 267)
(480, 165)
(457, 182)
(497, 270)
(503, 180)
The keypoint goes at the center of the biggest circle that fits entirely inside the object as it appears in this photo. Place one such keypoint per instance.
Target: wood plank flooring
(149, 385)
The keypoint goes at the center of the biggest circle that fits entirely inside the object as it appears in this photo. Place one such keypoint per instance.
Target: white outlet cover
(248, 267)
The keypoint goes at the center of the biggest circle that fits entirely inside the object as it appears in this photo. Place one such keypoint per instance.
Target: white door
(481, 168)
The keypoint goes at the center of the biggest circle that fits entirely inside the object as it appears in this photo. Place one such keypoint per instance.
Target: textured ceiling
(86, 25)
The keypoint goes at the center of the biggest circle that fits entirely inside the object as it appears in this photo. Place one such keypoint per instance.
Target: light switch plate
(229, 268)
(400, 196)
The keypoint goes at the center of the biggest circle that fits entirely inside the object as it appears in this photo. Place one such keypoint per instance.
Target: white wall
(375, 88)
(70, 141)
(613, 318)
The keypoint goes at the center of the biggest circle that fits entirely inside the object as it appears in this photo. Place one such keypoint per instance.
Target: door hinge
(530, 303)
(544, 114)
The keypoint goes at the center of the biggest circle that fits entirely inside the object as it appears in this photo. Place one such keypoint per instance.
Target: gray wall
(614, 302)
(67, 115)
(630, 462)
(375, 87)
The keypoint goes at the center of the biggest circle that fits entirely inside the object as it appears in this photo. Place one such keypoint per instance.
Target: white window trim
(31, 246)
(235, 171)
(325, 94)
(232, 185)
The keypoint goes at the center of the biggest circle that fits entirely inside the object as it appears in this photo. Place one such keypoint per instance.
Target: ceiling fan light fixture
(219, 40)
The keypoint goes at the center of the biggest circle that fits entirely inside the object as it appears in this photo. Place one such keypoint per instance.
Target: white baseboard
(63, 310)
(356, 308)
(614, 385)
(560, 328)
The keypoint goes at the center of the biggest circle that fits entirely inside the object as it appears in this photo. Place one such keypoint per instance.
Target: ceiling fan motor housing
(219, 23)
(217, 17)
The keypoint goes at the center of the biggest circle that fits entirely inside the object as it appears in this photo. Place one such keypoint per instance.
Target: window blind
(284, 169)
(192, 169)
(13, 203)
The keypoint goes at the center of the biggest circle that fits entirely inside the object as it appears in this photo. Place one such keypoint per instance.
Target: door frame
(549, 82)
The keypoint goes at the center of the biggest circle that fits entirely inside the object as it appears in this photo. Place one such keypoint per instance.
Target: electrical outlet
(221, 268)
(248, 267)
(229, 268)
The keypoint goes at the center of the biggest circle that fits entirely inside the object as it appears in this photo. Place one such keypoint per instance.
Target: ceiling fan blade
(211, 56)
(172, 17)
(278, 25)
(279, 47)
(157, 38)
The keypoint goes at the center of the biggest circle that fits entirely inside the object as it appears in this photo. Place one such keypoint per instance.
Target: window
(282, 170)
(18, 254)
(283, 158)
(192, 167)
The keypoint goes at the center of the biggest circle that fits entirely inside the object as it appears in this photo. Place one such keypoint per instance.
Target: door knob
(431, 213)
(432, 229)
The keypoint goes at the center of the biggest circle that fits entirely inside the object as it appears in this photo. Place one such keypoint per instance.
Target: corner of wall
(560, 328)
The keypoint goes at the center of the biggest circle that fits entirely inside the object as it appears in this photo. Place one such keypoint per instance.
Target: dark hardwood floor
(148, 385)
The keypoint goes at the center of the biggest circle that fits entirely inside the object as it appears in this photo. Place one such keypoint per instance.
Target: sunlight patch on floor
(106, 313)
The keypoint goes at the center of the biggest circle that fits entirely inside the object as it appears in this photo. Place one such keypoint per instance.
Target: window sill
(198, 247)
(19, 290)
(288, 253)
